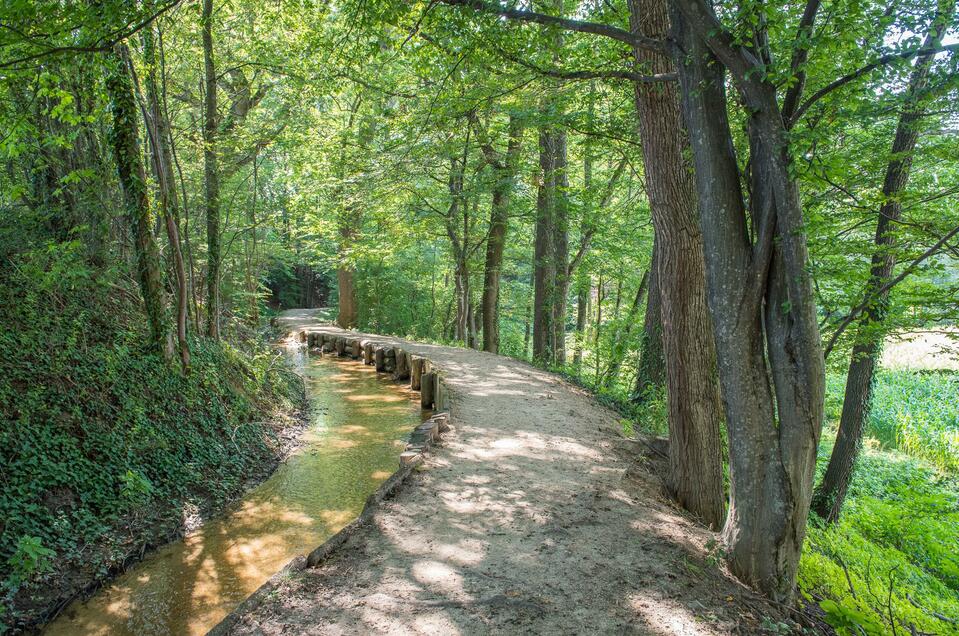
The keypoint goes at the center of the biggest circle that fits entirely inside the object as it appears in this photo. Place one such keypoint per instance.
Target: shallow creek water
(359, 423)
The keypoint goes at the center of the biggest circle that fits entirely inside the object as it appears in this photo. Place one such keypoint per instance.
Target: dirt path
(533, 515)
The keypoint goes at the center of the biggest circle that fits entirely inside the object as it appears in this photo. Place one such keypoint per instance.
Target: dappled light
(188, 586)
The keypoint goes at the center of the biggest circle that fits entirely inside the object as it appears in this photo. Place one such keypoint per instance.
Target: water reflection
(359, 423)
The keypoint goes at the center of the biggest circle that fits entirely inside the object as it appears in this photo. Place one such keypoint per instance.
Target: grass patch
(891, 564)
(914, 411)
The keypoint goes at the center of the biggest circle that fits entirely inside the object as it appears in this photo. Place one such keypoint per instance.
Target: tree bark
(695, 446)
(211, 175)
(829, 496)
(159, 136)
(505, 175)
(582, 311)
(544, 264)
(761, 302)
(126, 149)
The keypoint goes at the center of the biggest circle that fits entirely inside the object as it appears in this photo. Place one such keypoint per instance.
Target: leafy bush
(104, 446)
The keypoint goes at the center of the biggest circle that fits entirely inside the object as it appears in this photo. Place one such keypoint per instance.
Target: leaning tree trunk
(162, 158)
(126, 149)
(211, 175)
(621, 337)
(762, 307)
(829, 497)
(695, 446)
(651, 370)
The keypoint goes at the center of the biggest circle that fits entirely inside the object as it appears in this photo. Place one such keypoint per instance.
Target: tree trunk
(622, 335)
(544, 265)
(505, 171)
(211, 175)
(582, 311)
(126, 148)
(695, 446)
(159, 136)
(829, 497)
(560, 186)
(762, 307)
(651, 370)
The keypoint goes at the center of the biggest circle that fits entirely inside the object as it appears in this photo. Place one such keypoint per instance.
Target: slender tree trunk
(560, 186)
(159, 136)
(348, 225)
(582, 311)
(211, 175)
(828, 498)
(695, 446)
(762, 307)
(126, 149)
(651, 370)
(600, 296)
(505, 171)
(622, 335)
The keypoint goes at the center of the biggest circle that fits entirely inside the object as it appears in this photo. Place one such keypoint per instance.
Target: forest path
(532, 515)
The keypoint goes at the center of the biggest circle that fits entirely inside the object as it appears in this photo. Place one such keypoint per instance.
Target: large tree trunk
(159, 136)
(760, 299)
(211, 175)
(560, 186)
(126, 149)
(829, 497)
(695, 446)
(505, 171)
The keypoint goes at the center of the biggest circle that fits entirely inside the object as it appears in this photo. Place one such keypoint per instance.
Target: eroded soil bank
(533, 515)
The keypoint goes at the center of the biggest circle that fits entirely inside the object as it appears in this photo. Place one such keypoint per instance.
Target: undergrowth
(891, 563)
(106, 448)
(915, 411)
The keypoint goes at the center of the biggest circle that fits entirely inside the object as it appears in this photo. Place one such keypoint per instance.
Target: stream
(359, 422)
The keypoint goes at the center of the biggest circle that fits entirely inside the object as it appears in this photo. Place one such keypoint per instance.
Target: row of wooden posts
(403, 365)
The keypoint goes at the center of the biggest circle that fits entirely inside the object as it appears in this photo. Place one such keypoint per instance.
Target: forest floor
(533, 515)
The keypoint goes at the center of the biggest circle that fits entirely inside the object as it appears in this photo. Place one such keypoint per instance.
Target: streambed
(359, 423)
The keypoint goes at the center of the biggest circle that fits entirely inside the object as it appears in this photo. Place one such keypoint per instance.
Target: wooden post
(355, 348)
(427, 389)
(402, 371)
(389, 363)
(416, 372)
(379, 358)
(340, 346)
(367, 352)
(439, 394)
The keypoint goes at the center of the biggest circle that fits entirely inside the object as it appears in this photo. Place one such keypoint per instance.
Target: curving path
(532, 515)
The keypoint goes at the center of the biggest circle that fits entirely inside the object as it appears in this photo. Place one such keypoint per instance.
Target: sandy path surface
(533, 515)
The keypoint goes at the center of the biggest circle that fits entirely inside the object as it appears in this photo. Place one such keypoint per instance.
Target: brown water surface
(359, 422)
